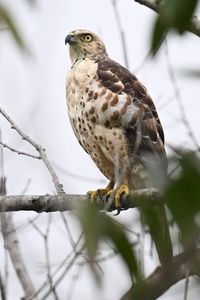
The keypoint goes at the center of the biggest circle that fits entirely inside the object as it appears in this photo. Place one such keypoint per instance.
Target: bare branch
(12, 245)
(39, 148)
(19, 152)
(68, 267)
(71, 240)
(49, 273)
(64, 202)
(11, 241)
(164, 277)
(74, 282)
(194, 26)
(2, 289)
(61, 265)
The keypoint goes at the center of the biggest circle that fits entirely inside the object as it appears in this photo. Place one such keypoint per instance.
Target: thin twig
(63, 274)
(49, 275)
(122, 34)
(45, 236)
(11, 241)
(39, 148)
(6, 270)
(32, 223)
(61, 265)
(19, 152)
(3, 192)
(179, 98)
(2, 288)
(12, 244)
(74, 282)
(72, 242)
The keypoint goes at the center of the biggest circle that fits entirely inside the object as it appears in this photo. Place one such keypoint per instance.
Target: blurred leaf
(183, 198)
(159, 33)
(178, 13)
(7, 21)
(97, 227)
(154, 216)
(172, 14)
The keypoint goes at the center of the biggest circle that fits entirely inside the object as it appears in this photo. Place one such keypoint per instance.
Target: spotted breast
(96, 114)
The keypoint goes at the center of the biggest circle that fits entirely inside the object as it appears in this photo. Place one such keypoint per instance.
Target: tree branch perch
(64, 202)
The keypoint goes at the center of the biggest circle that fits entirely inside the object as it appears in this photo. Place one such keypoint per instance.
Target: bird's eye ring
(88, 38)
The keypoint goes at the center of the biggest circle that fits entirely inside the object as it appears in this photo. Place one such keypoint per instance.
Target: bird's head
(85, 44)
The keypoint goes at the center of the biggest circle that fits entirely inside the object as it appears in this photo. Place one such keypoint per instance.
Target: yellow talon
(94, 195)
(123, 189)
(109, 192)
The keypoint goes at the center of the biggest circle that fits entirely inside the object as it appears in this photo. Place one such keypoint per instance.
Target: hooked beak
(69, 39)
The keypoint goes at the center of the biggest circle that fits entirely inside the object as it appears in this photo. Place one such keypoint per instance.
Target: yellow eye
(87, 38)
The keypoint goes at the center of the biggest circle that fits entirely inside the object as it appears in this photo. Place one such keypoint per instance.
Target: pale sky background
(32, 92)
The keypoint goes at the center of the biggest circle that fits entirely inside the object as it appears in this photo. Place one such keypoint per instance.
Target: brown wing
(144, 133)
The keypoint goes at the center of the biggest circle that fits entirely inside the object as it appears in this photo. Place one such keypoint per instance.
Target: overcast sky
(32, 92)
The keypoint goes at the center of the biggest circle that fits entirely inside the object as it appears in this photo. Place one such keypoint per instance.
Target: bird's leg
(101, 192)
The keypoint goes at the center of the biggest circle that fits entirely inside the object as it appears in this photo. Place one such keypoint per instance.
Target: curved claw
(118, 212)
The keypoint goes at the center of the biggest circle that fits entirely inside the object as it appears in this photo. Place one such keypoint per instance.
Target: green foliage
(154, 217)
(159, 33)
(7, 22)
(183, 199)
(172, 14)
(97, 227)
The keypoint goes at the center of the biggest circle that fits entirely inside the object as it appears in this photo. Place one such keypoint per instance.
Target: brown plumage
(108, 104)
(115, 121)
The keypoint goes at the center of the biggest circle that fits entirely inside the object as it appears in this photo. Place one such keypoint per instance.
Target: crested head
(85, 44)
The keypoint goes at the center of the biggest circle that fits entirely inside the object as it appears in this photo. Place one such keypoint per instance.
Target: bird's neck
(77, 55)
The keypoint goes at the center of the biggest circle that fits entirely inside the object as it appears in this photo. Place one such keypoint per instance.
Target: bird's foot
(109, 192)
(123, 189)
(98, 194)
(117, 194)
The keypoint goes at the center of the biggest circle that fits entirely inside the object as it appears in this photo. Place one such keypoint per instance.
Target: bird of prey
(116, 122)
(112, 115)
